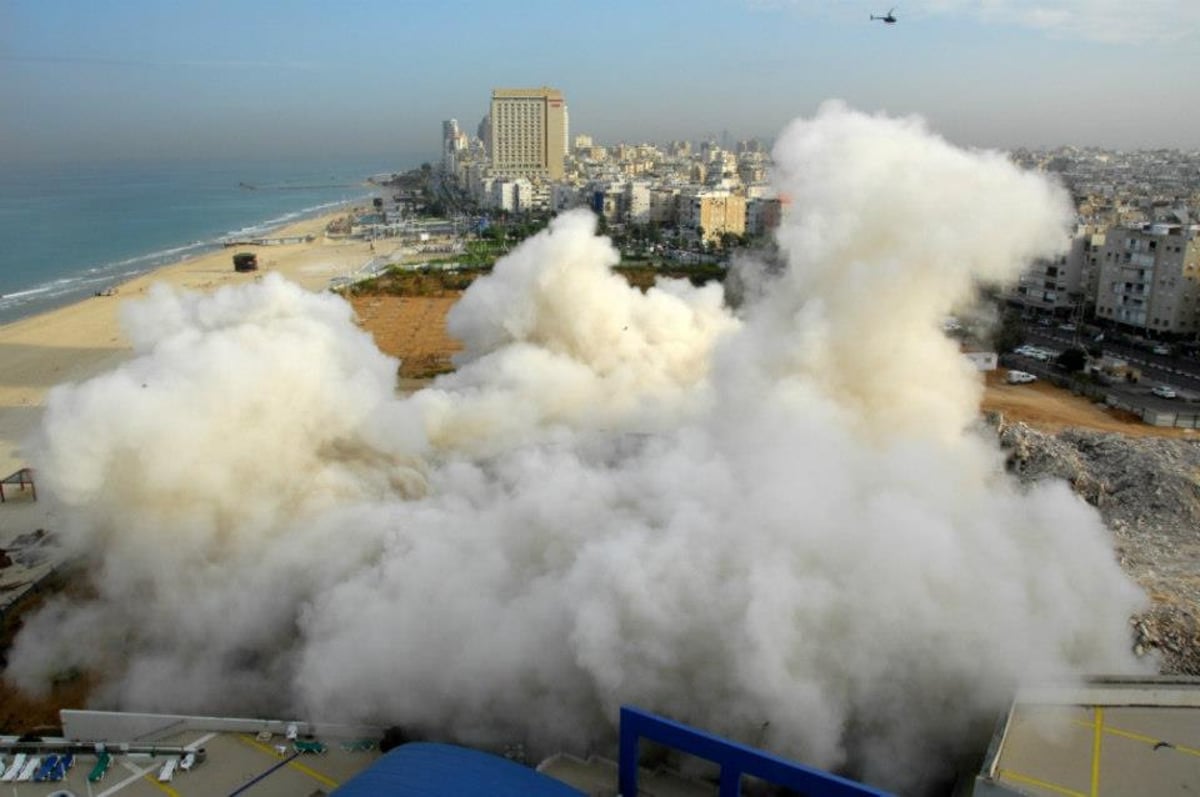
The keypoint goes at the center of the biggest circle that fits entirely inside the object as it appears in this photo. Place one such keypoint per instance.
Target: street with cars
(1166, 380)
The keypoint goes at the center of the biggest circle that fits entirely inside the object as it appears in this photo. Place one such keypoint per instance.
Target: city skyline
(300, 80)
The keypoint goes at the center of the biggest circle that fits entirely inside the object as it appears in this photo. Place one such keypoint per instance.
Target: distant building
(564, 196)
(637, 203)
(664, 205)
(1149, 278)
(583, 141)
(484, 132)
(763, 215)
(1056, 285)
(528, 133)
(1093, 252)
(714, 213)
(454, 142)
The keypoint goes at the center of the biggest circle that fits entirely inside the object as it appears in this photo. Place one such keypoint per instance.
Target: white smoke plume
(778, 524)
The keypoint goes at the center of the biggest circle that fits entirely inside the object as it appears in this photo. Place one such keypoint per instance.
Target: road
(1178, 372)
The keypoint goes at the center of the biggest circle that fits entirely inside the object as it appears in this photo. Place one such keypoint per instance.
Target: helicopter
(887, 19)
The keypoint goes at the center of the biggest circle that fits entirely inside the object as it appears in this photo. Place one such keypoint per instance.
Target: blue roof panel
(426, 769)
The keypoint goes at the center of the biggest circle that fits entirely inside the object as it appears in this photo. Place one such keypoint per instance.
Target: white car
(1161, 349)
(1164, 391)
(1020, 378)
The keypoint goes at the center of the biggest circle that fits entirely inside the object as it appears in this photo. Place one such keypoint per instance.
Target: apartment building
(1056, 285)
(763, 214)
(1149, 278)
(528, 131)
(715, 213)
(664, 205)
(1093, 253)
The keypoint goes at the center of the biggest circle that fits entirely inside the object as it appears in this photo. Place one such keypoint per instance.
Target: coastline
(79, 340)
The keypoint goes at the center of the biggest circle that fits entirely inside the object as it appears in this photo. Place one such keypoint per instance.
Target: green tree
(1010, 333)
(1072, 360)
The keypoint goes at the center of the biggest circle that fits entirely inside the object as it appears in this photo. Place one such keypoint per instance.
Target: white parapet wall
(132, 728)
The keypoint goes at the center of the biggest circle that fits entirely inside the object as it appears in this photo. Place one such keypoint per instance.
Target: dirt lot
(411, 328)
(414, 329)
(21, 713)
(1053, 409)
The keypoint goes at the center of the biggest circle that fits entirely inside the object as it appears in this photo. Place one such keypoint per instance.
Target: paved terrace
(243, 757)
(1111, 737)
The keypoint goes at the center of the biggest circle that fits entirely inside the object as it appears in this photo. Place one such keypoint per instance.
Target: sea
(69, 231)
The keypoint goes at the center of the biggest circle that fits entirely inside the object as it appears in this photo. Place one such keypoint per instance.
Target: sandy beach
(78, 341)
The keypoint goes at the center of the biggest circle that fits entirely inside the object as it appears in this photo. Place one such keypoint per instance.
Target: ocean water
(69, 231)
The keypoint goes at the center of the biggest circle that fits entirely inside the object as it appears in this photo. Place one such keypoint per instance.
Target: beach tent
(245, 261)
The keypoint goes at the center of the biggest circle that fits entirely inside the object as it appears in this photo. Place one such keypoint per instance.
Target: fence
(734, 759)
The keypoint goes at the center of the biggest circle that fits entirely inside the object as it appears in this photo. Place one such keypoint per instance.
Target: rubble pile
(1148, 492)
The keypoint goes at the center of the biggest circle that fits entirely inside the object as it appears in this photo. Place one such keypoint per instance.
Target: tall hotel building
(528, 133)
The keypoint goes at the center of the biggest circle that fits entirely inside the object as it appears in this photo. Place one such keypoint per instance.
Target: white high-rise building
(528, 133)
(566, 130)
(454, 141)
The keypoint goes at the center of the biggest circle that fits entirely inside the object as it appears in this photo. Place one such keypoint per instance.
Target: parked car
(1067, 327)
(1020, 378)
(1160, 349)
(1164, 391)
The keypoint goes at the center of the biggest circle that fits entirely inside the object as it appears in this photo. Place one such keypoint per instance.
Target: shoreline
(84, 338)
(58, 293)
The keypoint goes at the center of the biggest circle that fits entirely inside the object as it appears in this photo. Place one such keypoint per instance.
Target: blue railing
(734, 759)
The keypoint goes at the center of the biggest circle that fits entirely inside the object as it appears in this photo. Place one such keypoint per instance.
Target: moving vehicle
(1164, 391)
(1019, 378)
(887, 19)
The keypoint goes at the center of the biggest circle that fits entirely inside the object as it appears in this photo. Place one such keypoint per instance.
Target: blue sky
(188, 79)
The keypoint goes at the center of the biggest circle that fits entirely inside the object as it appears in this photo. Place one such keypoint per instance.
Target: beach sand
(76, 342)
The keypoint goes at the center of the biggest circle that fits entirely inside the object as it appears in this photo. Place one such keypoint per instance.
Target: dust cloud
(778, 523)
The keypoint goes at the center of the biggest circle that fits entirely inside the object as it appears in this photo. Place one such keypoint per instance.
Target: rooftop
(1105, 737)
(247, 757)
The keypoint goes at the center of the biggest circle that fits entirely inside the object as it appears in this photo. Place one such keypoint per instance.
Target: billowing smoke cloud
(780, 524)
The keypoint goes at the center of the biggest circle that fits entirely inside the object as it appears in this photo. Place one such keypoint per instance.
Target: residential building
(714, 213)
(1055, 285)
(1149, 278)
(664, 205)
(637, 203)
(528, 133)
(564, 196)
(763, 214)
(1093, 252)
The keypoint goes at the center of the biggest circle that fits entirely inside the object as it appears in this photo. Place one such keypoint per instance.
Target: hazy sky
(149, 78)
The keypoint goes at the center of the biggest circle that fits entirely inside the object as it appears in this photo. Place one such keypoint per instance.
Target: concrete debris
(1148, 492)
